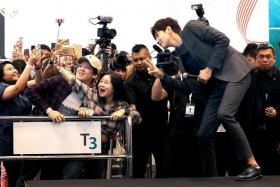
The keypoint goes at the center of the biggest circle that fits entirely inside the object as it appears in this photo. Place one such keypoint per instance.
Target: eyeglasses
(84, 65)
(261, 56)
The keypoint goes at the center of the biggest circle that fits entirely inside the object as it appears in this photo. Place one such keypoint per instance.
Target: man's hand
(33, 59)
(204, 75)
(270, 112)
(117, 115)
(85, 112)
(152, 69)
(56, 116)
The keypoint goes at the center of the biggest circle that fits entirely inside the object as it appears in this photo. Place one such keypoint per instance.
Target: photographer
(110, 51)
(223, 78)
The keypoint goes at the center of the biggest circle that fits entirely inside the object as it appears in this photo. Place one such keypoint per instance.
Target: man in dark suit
(223, 78)
(259, 111)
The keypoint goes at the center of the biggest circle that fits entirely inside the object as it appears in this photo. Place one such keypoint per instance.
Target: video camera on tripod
(105, 36)
(104, 33)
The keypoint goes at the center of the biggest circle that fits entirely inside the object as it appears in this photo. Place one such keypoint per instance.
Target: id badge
(190, 108)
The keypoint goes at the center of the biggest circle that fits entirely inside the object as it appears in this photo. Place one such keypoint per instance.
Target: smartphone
(26, 52)
(38, 51)
(53, 45)
(63, 42)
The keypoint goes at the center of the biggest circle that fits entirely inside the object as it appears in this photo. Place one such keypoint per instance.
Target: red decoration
(59, 21)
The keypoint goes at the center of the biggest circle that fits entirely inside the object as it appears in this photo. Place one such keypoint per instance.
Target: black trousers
(147, 141)
(264, 145)
(227, 162)
(223, 100)
(181, 157)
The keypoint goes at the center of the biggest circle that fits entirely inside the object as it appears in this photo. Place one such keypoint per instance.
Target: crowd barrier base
(266, 181)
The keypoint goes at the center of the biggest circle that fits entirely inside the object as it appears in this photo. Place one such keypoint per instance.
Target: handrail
(61, 157)
(46, 118)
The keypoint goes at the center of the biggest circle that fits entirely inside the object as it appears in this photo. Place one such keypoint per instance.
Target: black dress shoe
(249, 174)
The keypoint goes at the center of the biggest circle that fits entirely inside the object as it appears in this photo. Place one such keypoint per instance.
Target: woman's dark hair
(118, 87)
(45, 47)
(19, 64)
(2, 65)
(120, 62)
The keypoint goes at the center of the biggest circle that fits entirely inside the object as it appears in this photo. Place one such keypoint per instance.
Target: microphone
(105, 19)
(187, 75)
(157, 48)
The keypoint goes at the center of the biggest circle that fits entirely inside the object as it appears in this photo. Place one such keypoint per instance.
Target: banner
(274, 27)
(75, 137)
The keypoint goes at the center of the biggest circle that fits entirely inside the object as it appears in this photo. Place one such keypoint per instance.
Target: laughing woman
(112, 101)
(12, 103)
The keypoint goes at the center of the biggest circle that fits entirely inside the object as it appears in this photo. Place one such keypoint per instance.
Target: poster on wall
(274, 27)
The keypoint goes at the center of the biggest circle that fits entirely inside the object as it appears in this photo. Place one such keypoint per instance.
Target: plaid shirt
(49, 93)
(89, 94)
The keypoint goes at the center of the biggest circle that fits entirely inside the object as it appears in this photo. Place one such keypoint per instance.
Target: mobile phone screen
(26, 52)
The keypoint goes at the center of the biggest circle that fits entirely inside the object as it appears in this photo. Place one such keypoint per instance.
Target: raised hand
(152, 69)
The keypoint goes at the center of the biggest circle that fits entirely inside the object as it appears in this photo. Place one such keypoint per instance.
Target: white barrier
(72, 137)
(36, 136)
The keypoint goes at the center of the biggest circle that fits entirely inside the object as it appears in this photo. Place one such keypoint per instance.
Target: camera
(104, 33)
(167, 60)
(200, 12)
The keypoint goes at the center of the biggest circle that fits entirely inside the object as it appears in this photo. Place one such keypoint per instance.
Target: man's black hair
(138, 47)
(45, 47)
(120, 62)
(251, 50)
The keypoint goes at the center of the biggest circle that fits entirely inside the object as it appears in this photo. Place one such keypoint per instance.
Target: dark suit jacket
(210, 47)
